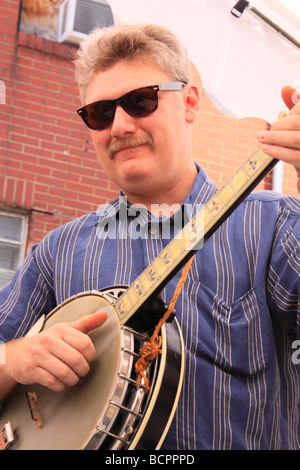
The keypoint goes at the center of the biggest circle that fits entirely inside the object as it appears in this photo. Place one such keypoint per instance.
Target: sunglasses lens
(140, 102)
(99, 115)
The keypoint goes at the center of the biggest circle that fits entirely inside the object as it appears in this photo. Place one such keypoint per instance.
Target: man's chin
(136, 175)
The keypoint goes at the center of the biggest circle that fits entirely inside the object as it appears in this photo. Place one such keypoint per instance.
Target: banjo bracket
(7, 438)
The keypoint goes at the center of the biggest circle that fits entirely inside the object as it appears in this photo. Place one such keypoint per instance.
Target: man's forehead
(122, 77)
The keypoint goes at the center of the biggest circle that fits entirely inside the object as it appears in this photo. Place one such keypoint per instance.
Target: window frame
(19, 244)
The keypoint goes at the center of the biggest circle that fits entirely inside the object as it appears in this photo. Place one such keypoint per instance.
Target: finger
(42, 373)
(73, 344)
(289, 123)
(284, 145)
(283, 138)
(76, 360)
(288, 155)
(290, 96)
(58, 372)
(55, 363)
(52, 362)
(43, 377)
(89, 322)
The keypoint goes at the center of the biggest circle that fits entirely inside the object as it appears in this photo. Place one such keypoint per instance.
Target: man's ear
(192, 102)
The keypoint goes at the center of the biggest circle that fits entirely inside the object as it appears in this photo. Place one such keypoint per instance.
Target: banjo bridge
(32, 403)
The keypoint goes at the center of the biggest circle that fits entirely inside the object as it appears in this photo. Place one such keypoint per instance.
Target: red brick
(2, 191)
(28, 195)
(9, 191)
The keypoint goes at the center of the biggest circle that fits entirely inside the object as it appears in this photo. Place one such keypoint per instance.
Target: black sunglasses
(138, 103)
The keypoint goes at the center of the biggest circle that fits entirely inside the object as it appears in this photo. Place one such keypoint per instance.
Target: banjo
(110, 408)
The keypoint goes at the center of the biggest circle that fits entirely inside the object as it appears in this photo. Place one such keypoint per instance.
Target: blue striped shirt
(239, 311)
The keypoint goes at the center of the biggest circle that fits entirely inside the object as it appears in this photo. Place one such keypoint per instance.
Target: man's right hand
(56, 357)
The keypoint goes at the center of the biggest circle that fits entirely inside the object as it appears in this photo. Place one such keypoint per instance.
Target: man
(238, 308)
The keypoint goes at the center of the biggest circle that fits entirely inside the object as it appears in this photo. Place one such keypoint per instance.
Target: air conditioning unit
(77, 18)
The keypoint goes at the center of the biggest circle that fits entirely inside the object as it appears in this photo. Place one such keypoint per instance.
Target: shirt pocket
(249, 343)
(236, 338)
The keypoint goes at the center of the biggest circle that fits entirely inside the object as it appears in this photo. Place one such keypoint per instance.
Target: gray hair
(105, 47)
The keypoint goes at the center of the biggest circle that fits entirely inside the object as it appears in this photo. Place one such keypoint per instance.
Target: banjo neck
(193, 235)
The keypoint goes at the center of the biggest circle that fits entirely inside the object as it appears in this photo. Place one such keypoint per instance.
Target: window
(64, 20)
(77, 18)
(13, 234)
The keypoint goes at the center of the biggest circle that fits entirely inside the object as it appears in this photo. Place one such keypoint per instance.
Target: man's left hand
(282, 141)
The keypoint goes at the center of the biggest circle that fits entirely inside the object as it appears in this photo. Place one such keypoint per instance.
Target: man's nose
(123, 123)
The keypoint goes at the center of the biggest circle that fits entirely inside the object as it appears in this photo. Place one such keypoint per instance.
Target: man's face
(144, 156)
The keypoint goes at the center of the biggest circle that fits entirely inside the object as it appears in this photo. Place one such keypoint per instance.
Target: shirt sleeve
(283, 279)
(29, 295)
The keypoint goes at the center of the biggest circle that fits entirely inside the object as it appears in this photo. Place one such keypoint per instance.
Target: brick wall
(47, 162)
(48, 165)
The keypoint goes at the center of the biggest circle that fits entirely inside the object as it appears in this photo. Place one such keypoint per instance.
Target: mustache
(127, 142)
